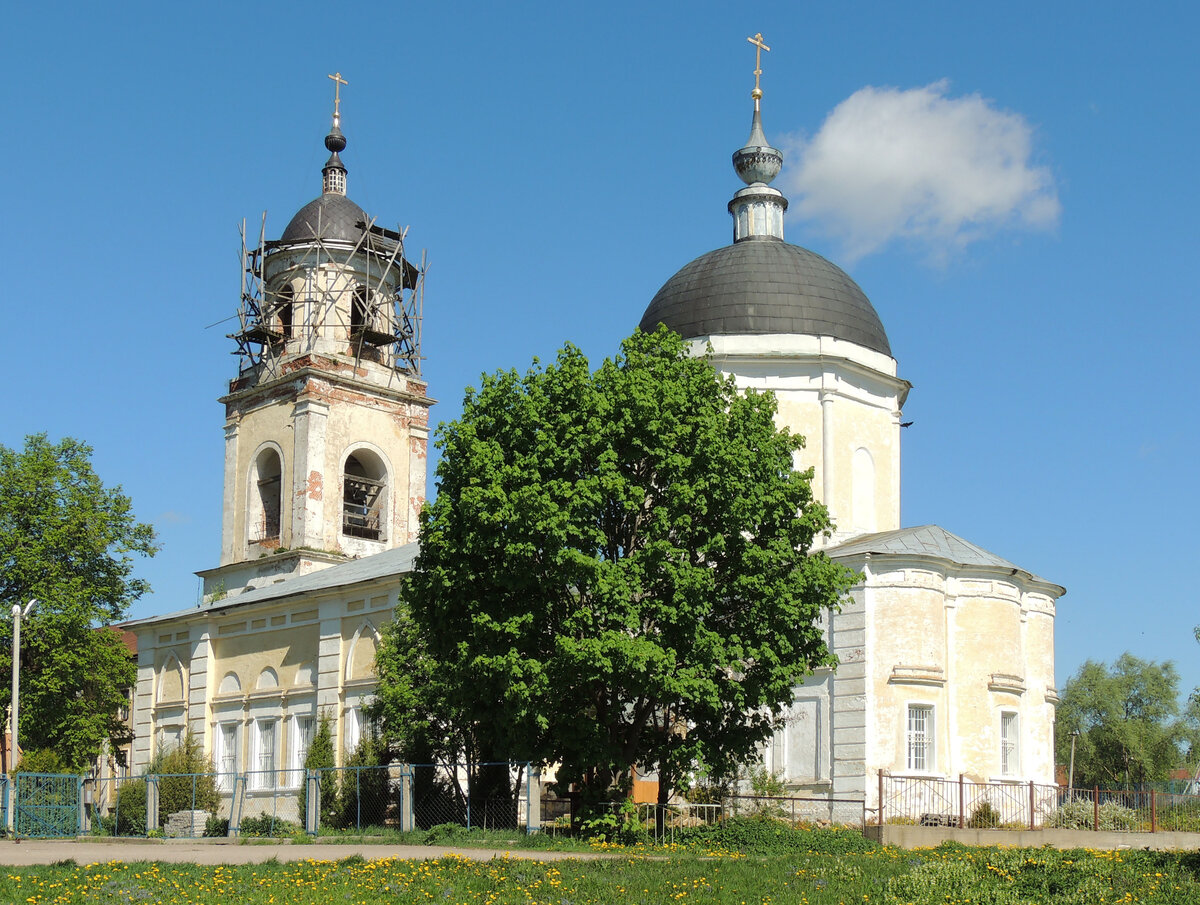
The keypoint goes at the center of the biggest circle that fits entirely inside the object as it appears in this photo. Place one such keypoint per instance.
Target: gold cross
(757, 41)
(338, 82)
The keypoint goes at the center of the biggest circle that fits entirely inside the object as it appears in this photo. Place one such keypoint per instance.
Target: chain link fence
(361, 800)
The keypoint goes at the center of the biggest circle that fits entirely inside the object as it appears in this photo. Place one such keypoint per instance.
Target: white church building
(946, 651)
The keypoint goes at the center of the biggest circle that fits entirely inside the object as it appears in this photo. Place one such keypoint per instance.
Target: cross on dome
(759, 47)
(338, 82)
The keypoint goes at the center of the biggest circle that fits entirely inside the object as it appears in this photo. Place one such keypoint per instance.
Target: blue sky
(1033, 257)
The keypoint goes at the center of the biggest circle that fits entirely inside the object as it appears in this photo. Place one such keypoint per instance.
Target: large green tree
(1129, 723)
(617, 570)
(69, 541)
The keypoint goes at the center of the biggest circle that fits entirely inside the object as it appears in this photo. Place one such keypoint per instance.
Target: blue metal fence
(48, 805)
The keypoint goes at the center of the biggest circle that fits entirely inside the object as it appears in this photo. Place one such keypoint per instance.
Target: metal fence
(940, 801)
(280, 803)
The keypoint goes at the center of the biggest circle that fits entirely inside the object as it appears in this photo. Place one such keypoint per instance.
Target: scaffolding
(382, 321)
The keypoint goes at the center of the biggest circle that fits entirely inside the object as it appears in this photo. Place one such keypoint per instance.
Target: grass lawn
(815, 867)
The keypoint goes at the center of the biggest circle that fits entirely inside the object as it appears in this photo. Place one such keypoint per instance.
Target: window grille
(264, 776)
(920, 738)
(1010, 751)
(227, 763)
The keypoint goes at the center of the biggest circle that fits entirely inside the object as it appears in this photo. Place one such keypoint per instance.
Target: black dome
(331, 216)
(764, 285)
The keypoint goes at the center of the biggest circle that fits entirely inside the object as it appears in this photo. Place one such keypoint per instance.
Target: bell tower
(327, 420)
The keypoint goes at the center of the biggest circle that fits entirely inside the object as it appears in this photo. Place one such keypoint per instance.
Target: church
(945, 650)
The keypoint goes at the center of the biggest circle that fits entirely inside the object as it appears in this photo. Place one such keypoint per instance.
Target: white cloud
(917, 165)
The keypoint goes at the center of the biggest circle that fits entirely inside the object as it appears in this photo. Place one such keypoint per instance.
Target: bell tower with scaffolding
(327, 420)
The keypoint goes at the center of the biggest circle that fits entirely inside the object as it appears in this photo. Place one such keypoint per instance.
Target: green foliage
(1080, 814)
(185, 779)
(128, 817)
(216, 827)
(616, 822)
(68, 541)
(266, 825)
(1129, 723)
(43, 760)
(363, 797)
(610, 556)
(984, 817)
(320, 757)
(761, 835)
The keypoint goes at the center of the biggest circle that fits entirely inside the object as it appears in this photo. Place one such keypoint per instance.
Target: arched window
(266, 478)
(863, 491)
(364, 496)
(285, 307)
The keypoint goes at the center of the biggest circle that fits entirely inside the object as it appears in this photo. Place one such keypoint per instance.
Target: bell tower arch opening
(264, 517)
(365, 496)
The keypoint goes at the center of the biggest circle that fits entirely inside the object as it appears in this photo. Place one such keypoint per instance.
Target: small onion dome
(762, 285)
(757, 161)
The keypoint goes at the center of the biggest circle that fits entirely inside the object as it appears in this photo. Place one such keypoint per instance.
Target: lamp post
(17, 614)
(1071, 771)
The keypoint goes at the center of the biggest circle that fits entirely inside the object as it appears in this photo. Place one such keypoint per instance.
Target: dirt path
(219, 851)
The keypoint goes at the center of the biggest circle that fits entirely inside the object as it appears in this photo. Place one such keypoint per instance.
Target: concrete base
(930, 836)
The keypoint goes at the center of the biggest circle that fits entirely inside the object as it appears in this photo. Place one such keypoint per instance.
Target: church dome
(330, 217)
(761, 284)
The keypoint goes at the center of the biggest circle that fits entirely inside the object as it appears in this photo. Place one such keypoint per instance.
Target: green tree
(1130, 727)
(69, 541)
(186, 779)
(320, 757)
(617, 569)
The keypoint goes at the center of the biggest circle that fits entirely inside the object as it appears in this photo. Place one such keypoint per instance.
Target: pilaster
(309, 420)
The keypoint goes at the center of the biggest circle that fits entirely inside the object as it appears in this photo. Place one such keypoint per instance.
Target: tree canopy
(69, 541)
(1131, 728)
(617, 570)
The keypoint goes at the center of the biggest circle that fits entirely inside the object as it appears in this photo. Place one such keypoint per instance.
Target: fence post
(407, 822)
(960, 801)
(533, 823)
(312, 801)
(880, 797)
(79, 799)
(151, 803)
(1032, 804)
(1154, 810)
(1096, 809)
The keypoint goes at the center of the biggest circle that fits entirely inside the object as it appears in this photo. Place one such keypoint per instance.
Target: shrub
(613, 822)
(320, 757)
(185, 779)
(266, 825)
(1080, 815)
(42, 760)
(984, 817)
(766, 836)
(128, 817)
(363, 798)
(216, 826)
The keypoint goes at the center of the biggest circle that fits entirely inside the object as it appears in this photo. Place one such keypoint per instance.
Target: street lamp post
(17, 614)
(1071, 771)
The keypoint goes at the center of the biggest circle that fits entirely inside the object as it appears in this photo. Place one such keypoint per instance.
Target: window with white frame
(263, 776)
(1010, 745)
(919, 737)
(227, 754)
(303, 730)
(354, 728)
